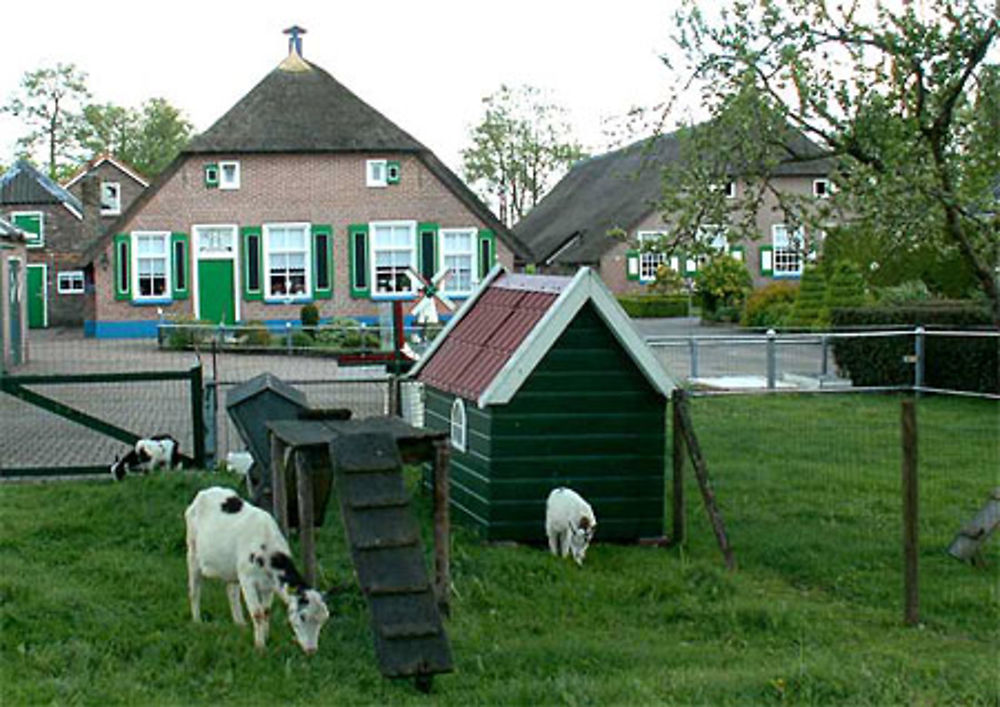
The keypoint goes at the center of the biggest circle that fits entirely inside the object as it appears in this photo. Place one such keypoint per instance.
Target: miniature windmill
(428, 291)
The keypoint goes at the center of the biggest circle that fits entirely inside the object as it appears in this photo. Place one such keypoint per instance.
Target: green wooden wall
(585, 418)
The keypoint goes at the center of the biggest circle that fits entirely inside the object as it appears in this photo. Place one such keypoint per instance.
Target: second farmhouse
(300, 193)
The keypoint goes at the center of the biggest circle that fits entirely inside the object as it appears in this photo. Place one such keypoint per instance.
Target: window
(151, 253)
(229, 175)
(787, 254)
(111, 198)
(211, 175)
(821, 188)
(650, 260)
(215, 241)
(458, 426)
(394, 250)
(286, 256)
(70, 282)
(33, 224)
(458, 251)
(376, 173)
(392, 172)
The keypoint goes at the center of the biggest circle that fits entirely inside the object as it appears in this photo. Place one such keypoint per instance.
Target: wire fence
(809, 488)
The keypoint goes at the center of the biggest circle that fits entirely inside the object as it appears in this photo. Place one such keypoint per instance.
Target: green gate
(17, 386)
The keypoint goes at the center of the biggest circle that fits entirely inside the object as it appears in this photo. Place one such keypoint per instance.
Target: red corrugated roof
(487, 335)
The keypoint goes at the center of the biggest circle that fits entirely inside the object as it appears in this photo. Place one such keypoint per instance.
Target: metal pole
(918, 351)
(693, 346)
(288, 338)
(825, 364)
(771, 359)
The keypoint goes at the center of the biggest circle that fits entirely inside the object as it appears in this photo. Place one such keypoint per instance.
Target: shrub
(309, 315)
(810, 304)
(302, 340)
(904, 293)
(257, 334)
(640, 306)
(344, 333)
(722, 282)
(846, 287)
(188, 332)
(952, 363)
(771, 305)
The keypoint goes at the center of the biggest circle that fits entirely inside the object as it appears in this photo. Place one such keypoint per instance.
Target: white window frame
(66, 282)
(117, 208)
(233, 183)
(167, 295)
(377, 173)
(374, 250)
(649, 260)
(823, 184)
(266, 265)
(783, 255)
(458, 424)
(472, 253)
(30, 240)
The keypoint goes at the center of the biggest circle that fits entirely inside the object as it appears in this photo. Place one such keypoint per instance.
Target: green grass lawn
(93, 605)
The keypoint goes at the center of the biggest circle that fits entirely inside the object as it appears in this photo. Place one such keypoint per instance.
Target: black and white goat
(148, 454)
(570, 523)
(232, 540)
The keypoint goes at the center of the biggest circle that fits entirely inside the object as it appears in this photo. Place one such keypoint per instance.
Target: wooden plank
(442, 527)
(131, 377)
(304, 487)
(704, 483)
(677, 505)
(278, 480)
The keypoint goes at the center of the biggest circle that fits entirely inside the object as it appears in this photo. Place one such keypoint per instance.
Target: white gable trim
(492, 275)
(87, 170)
(585, 287)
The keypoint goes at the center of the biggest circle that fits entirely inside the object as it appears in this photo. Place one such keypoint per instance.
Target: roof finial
(295, 39)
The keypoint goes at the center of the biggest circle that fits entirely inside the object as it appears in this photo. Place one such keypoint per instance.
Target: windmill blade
(425, 312)
(446, 301)
(439, 277)
(416, 281)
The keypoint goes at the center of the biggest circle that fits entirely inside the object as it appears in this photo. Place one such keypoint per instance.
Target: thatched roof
(617, 190)
(298, 107)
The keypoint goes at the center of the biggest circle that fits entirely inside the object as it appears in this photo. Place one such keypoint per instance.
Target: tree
(48, 102)
(902, 97)
(148, 138)
(521, 145)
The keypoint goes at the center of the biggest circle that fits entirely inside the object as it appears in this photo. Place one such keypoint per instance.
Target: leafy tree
(148, 138)
(722, 282)
(48, 103)
(521, 145)
(902, 96)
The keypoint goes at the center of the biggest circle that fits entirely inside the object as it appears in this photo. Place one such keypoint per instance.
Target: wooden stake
(279, 503)
(911, 588)
(304, 486)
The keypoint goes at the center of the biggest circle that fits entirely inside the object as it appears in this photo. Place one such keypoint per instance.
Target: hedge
(950, 362)
(640, 306)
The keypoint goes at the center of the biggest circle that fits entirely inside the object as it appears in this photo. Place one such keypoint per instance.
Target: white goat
(569, 523)
(230, 539)
(148, 454)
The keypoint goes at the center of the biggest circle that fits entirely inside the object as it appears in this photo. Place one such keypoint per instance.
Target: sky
(424, 64)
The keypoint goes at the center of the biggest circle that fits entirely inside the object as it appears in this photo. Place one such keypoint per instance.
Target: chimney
(90, 197)
(295, 39)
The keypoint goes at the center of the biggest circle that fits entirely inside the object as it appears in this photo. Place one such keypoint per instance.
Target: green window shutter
(179, 250)
(392, 172)
(252, 262)
(632, 265)
(737, 252)
(766, 254)
(32, 225)
(322, 261)
(211, 172)
(487, 251)
(427, 241)
(122, 257)
(357, 239)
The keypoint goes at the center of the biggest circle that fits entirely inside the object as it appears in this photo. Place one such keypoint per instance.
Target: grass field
(93, 606)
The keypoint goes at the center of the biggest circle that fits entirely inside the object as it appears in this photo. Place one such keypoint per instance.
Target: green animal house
(543, 382)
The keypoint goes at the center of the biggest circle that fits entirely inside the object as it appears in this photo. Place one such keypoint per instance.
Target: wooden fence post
(911, 496)
(678, 533)
(442, 526)
(198, 416)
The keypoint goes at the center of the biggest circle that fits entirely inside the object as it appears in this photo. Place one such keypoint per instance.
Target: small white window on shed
(376, 173)
(458, 426)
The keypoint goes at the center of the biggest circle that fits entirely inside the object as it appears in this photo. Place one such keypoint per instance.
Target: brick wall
(312, 188)
(108, 172)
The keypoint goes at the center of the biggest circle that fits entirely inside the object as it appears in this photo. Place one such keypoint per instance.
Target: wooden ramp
(388, 556)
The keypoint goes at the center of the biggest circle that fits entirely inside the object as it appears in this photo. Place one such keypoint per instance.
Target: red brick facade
(326, 188)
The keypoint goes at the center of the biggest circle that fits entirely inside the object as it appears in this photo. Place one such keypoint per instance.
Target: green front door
(216, 302)
(37, 290)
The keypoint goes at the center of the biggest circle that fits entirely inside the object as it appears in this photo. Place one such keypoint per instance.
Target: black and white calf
(232, 540)
(148, 454)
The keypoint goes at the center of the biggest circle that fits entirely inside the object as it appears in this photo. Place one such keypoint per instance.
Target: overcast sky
(425, 64)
